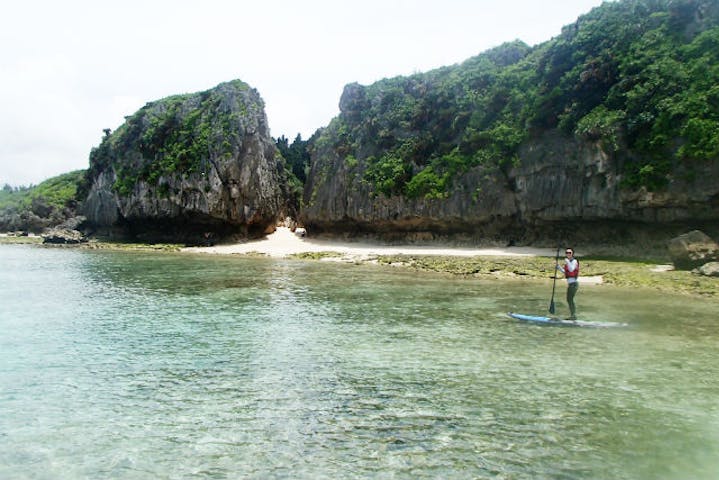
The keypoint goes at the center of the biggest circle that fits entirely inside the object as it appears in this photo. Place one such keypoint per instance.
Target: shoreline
(283, 242)
(498, 262)
(600, 265)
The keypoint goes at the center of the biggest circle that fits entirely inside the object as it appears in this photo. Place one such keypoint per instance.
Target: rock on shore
(692, 250)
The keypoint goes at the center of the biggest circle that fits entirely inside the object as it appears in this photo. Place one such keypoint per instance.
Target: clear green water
(135, 365)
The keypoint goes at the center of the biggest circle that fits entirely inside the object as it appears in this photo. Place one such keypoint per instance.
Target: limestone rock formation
(561, 187)
(66, 233)
(692, 250)
(187, 166)
(63, 236)
(591, 136)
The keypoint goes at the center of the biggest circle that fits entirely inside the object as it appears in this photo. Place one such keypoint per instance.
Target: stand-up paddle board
(563, 323)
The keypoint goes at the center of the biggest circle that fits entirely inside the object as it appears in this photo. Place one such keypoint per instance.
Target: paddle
(554, 284)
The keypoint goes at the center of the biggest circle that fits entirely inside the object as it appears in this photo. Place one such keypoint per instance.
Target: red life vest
(574, 274)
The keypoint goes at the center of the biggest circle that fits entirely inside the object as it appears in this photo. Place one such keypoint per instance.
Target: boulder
(63, 236)
(692, 250)
(710, 269)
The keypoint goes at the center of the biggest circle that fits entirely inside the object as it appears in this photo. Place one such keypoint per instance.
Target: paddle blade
(551, 307)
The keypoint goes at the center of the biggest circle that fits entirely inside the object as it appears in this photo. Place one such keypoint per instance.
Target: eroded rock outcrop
(561, 187)
(67, 233)
(693, 249)
(562, 140)
(63, 236)
(590, 136)
(188, 166)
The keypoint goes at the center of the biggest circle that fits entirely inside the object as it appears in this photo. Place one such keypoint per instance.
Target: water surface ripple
(137, 365)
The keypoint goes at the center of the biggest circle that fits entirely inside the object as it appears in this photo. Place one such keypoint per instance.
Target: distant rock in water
(63, 236)
(67, 233)
(188, 166)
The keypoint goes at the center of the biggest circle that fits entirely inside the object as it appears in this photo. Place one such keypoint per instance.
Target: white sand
(283, 242)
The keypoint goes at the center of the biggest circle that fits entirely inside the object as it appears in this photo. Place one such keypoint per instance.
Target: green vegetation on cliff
(297, 160)
(178, 135)
(36, 207)
(296, 155)
(640, 77)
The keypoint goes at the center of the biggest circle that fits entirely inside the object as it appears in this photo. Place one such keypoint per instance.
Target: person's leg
(571, 292)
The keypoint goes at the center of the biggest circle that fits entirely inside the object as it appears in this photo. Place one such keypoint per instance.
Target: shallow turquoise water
(135, 365)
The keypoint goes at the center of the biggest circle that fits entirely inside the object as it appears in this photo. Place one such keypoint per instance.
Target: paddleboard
(561, 322)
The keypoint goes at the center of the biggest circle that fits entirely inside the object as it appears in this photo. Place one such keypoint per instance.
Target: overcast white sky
(70, 68)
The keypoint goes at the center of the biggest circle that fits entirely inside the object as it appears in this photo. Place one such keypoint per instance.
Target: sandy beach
(284, 242)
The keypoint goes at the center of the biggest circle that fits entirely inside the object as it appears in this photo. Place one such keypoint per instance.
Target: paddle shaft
(554, 283)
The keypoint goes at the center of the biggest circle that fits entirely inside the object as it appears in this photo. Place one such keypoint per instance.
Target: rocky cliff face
(577, 187)
(337, 198)
(608, 128)
(560, 186)
(563, 178)
(188, 167)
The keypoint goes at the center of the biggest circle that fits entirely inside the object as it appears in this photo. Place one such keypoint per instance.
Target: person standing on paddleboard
(571, 273)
